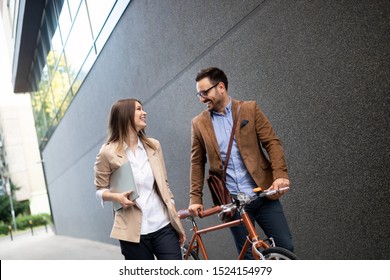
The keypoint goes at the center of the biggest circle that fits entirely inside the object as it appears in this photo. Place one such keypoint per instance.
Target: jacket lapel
(234, 112)
(208, 124)
(121, 157)
(154, 164)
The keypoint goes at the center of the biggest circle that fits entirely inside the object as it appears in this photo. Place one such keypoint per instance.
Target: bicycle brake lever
(228, 207)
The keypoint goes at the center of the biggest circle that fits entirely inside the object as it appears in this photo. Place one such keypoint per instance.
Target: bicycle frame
(197, 244)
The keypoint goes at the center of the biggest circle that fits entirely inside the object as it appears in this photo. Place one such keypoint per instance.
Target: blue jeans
(270, 217)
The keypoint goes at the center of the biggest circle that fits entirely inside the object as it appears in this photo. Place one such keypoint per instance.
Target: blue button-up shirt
(238, 178)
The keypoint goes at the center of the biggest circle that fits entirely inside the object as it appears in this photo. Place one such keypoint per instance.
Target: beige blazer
(127, 222)
(253, 133)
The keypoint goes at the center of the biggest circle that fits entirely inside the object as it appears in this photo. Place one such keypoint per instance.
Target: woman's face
(139, 117)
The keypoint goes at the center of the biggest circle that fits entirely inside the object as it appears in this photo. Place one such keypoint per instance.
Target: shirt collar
(139, 145)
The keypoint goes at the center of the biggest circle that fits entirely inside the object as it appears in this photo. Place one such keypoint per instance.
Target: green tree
(20, 207)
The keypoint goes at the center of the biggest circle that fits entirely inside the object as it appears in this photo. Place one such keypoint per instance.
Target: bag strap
(231, 140)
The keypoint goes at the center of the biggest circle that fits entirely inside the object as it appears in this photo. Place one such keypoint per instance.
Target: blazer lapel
(234, 111)
(154, 164)
(208, 124)
(121, 157)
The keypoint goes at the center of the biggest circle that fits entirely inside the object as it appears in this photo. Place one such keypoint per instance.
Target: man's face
(211, 94)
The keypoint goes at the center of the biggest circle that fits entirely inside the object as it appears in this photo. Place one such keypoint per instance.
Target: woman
(148, 227)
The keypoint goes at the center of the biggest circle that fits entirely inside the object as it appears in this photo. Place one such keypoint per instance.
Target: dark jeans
(162, 244)
(270, 217)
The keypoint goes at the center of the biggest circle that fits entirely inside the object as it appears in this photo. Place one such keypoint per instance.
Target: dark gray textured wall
(318, 69)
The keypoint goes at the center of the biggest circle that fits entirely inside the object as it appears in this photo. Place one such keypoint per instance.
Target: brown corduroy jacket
(254, 133)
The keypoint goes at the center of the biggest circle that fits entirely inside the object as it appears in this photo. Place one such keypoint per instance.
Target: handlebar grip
(210, 211)
(183, 213)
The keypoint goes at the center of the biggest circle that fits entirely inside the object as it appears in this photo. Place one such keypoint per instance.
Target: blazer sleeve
(271, 144)
(102, 170)
(198, 161)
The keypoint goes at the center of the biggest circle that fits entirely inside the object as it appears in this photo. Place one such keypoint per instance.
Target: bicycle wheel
(278, 253)
(192, 256)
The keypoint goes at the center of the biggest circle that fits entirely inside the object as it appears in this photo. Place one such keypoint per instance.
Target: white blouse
(154, 212)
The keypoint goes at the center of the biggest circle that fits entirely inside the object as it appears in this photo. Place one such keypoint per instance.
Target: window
(73, 33)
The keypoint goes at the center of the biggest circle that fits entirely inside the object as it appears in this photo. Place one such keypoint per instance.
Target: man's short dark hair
(215, 75)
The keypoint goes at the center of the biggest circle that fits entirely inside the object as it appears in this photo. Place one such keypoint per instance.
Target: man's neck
(222, 110)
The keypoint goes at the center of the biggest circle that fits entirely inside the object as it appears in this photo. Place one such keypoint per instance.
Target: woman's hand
(182, 240)
(123, 199)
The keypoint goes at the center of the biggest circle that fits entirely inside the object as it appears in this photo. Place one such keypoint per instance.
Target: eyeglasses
(203, 93)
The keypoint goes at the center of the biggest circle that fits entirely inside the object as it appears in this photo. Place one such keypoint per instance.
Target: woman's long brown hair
(121, 118)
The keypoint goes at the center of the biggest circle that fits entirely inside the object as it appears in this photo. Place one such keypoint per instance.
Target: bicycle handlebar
(184, 213)
(210, 211)
(266, 193)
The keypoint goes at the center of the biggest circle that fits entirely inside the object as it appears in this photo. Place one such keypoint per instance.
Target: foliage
(20, 208)
(5, 209)
(3, 229)
(23, 222)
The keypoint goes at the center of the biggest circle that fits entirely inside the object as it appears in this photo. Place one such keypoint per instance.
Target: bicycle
(261, 249)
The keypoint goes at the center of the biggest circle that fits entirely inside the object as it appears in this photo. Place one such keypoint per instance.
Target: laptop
(122, 180)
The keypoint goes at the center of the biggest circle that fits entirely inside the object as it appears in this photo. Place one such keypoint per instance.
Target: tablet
(122, 180)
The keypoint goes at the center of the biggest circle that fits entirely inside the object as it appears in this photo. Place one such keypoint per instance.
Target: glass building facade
(71, 36)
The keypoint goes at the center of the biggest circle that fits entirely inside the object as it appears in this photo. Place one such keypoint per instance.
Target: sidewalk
(45, 245)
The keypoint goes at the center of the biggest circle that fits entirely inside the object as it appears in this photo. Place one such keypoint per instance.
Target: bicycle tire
(192, 256)
(278, 253)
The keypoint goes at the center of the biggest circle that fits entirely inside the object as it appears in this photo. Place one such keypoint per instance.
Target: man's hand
(195, 209)
(278, 184)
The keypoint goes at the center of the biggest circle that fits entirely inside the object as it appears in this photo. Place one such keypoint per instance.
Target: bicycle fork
(252, 238)
(196, 243)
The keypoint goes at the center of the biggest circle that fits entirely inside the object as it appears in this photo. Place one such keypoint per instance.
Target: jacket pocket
(119, 221)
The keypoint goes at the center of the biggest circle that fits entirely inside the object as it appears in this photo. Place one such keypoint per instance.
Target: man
(248, 166)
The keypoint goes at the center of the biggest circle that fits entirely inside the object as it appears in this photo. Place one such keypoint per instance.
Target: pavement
(44, 244)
